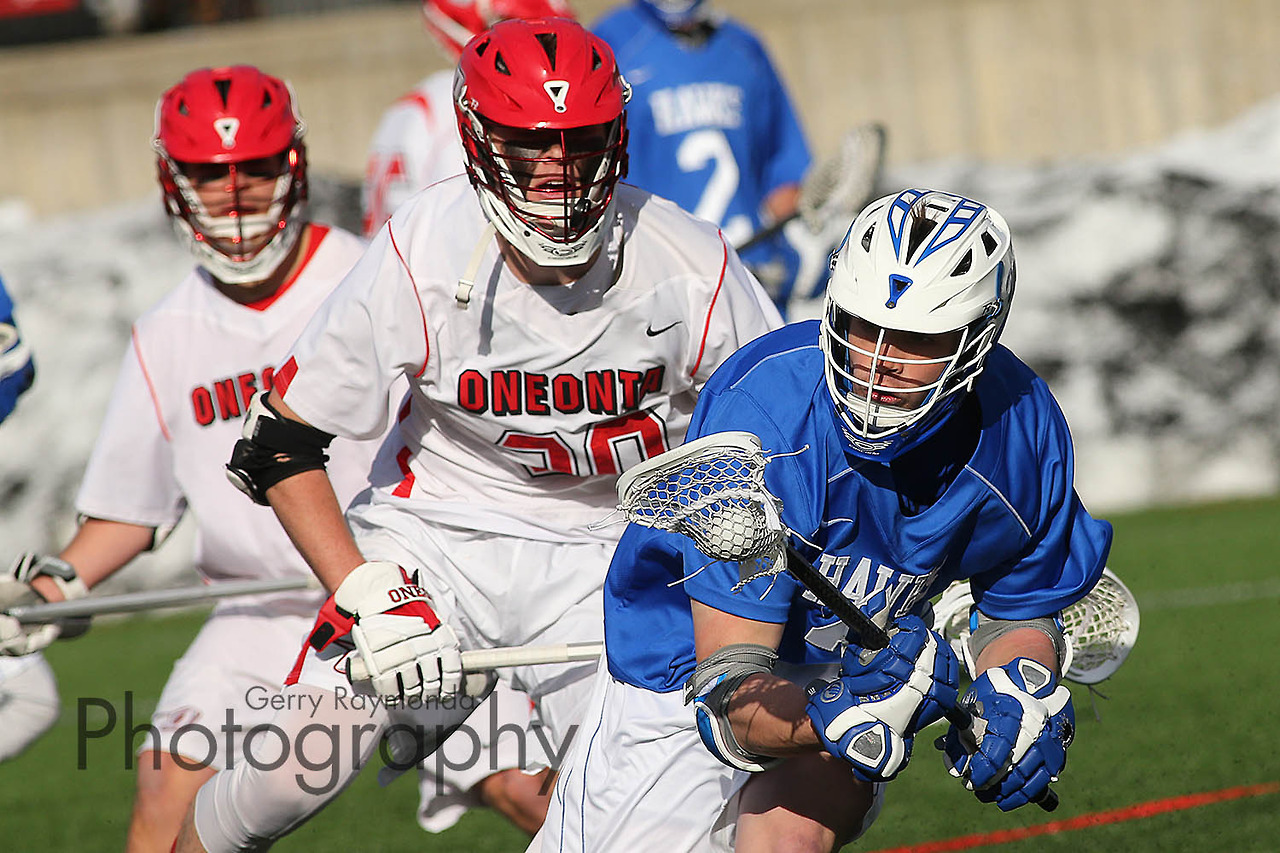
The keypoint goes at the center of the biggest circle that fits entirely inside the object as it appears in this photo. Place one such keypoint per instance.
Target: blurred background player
(232, 168)
(907, 449)
(28, 691)
(17, 370)
(712, 127)
(556, 327)
(417, 143)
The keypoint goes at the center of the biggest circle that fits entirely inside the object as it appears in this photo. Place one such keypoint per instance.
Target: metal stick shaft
(475, 660)
(152, 599)
(868, 634)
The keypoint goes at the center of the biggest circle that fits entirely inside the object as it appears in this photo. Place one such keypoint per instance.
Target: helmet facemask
(240, 226)
(547, 191)
(873, 391)
(919, 292)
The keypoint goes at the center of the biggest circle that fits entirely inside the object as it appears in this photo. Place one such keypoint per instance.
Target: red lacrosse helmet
(540, 107)
(456, 22)
(234, 127)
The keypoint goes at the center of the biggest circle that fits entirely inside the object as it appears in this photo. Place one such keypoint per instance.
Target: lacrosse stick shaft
(152, 599)
(868, 634)
(478, 660)
(767, 233)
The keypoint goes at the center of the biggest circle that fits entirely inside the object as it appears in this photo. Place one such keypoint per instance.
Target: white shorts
(28, 702)
(223, 684)
(638, 778)
(497, 737)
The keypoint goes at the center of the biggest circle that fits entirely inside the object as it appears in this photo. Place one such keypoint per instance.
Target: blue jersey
(710, 125)
(16, 369)
(1010, 520)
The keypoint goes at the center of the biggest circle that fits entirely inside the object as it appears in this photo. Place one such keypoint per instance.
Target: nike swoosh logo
(652, 332)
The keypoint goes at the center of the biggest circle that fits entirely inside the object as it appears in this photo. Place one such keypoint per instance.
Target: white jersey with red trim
(195, 360)
(526, 402)
(415, 145)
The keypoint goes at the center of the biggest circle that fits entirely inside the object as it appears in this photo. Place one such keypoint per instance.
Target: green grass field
(1190, 712)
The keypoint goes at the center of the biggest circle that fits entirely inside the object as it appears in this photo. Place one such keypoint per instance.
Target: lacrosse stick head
(836, 189)
(1102, 628)
(712, 491)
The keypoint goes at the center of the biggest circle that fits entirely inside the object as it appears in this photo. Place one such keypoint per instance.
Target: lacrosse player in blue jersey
(908, 450)
(710, 125)
(28, 691)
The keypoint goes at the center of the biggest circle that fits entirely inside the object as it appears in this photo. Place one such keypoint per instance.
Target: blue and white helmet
(924, 262)
(675, 14)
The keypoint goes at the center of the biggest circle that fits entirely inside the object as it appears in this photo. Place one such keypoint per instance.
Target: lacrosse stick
(409, 748)
(153, 599)
(1100, 629)
(480, 660)
(712, 490)
(836, 189)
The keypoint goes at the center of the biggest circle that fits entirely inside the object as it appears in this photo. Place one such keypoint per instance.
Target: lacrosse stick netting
(1102, 627)
(712, 491)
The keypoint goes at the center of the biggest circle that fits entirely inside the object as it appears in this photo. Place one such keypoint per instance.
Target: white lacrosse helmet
(924, 262)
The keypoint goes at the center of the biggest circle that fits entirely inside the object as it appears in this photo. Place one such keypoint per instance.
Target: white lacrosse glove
(15, 591)
(404, 650)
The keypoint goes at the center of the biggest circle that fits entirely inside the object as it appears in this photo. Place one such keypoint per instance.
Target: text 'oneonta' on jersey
(526, 402)
(195, 361)
(1009, 521)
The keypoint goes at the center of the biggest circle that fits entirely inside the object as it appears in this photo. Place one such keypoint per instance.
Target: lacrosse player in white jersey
(416, 143)
(232, 166)
(556, 327)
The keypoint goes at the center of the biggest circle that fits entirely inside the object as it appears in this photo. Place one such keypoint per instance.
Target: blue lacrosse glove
(870, 714)
(1023, 722)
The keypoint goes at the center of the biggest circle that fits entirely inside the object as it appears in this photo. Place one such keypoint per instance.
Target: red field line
(1135, 812)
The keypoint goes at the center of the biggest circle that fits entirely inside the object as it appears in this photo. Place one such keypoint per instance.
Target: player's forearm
(310, 513)
(1022, 643)
(768, 717)
(99, 549)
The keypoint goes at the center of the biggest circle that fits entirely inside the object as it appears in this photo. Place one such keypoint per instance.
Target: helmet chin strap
(468, 280)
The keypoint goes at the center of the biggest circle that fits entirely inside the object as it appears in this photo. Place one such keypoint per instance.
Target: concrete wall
(999, 79)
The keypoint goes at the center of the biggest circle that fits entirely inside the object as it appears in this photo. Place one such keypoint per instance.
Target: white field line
(1209, 596)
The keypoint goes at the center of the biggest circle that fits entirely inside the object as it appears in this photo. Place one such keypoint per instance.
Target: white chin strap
(536, 247)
